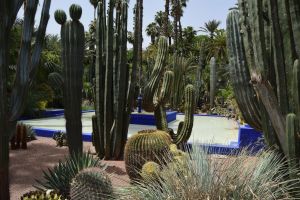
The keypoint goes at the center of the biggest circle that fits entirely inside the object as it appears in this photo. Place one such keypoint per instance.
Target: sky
(196, 14)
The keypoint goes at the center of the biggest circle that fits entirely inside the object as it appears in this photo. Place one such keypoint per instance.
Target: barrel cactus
(146, 145)
(150, 171)
(72, 41)
(91, 183)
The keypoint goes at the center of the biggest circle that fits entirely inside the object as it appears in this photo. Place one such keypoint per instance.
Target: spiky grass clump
(60, 177)
(202, 176)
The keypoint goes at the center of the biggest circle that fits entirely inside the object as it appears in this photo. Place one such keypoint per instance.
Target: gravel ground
(27, 165)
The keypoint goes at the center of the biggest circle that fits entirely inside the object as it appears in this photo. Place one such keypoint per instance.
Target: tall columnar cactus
(160, 99)
(113, 87)
(72, 40)
(185, 127)
(240, 75)
(146, 145)
(292, 128)
(12, 105)
(213, 81)
(268, 35)
(91, 183)
(156, 75)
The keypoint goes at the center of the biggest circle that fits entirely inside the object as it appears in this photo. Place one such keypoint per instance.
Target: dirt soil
(27, 165)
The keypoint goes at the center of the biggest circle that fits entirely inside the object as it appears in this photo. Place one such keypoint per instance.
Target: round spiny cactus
(91, 183)
(146, 145)
(75, 12)
(150, 171)
(60, 17)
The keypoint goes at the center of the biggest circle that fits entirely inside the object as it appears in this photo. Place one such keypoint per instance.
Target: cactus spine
(113, 102)
(213, 81)
(91, 183)
(72, 39)
(146, 145)
(270, 40)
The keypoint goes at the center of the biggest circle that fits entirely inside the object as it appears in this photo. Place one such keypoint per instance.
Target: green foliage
(41, 195)
(205, 176)
(59, 177)
(91, 183)
(38, 97)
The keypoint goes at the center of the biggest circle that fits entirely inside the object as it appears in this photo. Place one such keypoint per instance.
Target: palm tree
(211, 27)
(177, 13)
(152, 31)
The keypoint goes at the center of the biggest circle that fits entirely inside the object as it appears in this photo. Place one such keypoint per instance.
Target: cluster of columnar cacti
(263, 43)
(113, 87)
(240, 75)
(19, 140)
(12, 105)
(91, 183)
(146, 145)
(213, 82)
(157, 93)
(72, 41)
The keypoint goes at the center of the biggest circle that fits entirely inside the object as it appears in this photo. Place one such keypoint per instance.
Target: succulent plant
(91, 183)
(59, 177)
(42, 195)
(150, 171)
(263, 46)
(60, 138)
(156, 75)
(144, 146)
(213, 81)
(185, 127)
(19, 140)
(72, 41)
(113, 86)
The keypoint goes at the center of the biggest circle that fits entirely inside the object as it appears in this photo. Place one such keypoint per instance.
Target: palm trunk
(166, 23)
(140, 41)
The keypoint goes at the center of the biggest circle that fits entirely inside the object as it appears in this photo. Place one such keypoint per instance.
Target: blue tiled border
(149, 119)
(247, 136)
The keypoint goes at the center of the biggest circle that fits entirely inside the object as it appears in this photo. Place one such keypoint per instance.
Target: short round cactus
(146, 145)
(150, 171)
(91, 183)
(75, 12)
(60, 17)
